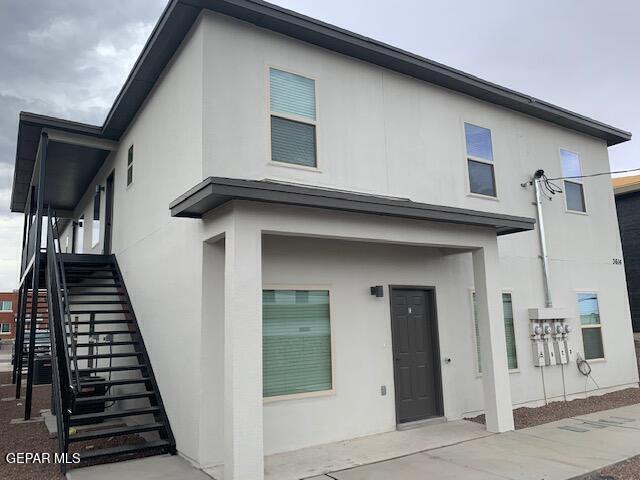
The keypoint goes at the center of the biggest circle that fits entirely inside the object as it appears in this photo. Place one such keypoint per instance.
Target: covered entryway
(416, 364)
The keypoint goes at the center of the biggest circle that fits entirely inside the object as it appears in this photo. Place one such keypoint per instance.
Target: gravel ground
(627, 470)
(34, 437)
(525, 417)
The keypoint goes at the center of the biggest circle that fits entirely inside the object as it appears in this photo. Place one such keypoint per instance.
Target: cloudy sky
(69, 58)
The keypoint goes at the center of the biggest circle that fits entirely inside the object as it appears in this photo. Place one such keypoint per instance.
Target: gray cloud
(66, 59)
(69, 59)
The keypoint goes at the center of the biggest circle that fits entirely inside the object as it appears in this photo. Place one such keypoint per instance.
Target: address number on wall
(617, 261)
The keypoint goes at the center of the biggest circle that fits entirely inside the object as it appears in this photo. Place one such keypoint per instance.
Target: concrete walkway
(554, 451)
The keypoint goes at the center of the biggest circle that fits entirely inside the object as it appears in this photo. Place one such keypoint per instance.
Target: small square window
(130, 166)
(481, 178)
(5, 328)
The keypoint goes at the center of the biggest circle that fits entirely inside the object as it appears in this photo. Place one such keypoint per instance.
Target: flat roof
(216, 191)
(179, 16)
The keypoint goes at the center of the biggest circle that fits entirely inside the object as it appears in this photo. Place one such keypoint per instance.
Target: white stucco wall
(361, 331)
(378, 132)
(160, 256)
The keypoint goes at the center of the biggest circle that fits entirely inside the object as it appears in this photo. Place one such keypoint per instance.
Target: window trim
(474, 158)
(293, 118)
(577, 181)
(319, 393)
(595, 292)
(515, 328)
(129, 166)
(8, 332)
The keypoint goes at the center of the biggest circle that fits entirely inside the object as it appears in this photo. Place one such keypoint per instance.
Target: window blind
(292, 94)
(296, 342)
(509, 331)
(478, 141)
(293, 142)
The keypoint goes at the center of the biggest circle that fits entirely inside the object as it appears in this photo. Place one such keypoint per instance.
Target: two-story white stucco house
(325, 237)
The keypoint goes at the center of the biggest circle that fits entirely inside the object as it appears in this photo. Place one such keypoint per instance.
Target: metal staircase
(103, 381)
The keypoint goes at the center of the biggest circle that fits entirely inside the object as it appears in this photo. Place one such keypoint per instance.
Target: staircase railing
(67, 321)
(61, 369)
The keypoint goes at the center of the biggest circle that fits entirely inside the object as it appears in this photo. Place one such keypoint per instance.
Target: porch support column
(243, 442)
(493, 353)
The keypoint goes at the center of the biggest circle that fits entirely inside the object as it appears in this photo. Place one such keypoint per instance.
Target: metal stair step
(97, 302)
(122, 368)
(101, 322)
(78, 294)
(109, 398)
(113, 432)
(163, 445)
(104, 344)
(120, 381)
(92, 285)
(84, 417)
(109, 355)
(106, 332)
(97, 312)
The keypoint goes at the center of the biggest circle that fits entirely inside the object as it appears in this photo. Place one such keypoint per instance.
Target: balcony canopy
(214, 192)
(75, 153)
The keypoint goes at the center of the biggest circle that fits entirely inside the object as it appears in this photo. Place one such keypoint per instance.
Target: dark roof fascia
(179, 15)
(215, 191)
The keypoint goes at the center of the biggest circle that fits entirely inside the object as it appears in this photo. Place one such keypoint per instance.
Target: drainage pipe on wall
(537, 178)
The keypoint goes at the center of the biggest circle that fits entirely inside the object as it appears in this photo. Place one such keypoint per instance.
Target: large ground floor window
(296, 342)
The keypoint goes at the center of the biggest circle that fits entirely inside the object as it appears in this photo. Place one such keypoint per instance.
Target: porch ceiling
(215, 191)
(70, 164)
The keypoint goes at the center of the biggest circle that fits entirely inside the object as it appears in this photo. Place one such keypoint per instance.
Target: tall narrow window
(480, 160)
(80, 235)
(573, 189)
(293, 118)
(509, 331)
(95, 225)
(476, 330)
(296, 342)
(130, 166)
(590, 325)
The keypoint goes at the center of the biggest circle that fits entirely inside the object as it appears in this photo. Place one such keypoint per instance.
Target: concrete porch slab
(312, 461)
(158, 467)
(550, 451)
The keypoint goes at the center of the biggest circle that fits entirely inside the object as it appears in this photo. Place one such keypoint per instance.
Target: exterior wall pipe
(543, 242)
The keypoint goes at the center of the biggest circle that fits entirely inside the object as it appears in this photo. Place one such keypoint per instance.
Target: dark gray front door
(415, 354)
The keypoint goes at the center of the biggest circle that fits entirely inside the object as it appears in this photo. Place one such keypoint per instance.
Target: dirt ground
(525, 417)
(28, 437)
(34, 437)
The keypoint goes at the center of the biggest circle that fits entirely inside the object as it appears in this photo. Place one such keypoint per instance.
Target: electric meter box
(548, 313)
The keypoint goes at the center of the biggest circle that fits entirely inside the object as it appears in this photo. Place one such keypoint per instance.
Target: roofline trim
(215, 191)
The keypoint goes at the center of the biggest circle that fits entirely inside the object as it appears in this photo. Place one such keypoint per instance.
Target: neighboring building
(627, 193)
(263, 178)
(8, 308)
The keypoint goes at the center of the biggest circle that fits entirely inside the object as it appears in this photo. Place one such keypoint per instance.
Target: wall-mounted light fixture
(378, 291)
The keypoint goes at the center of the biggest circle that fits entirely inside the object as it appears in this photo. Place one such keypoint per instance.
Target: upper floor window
(130, 166)
(5, 328)
(6, 306)
(293, 118)
(480, 160)
(573, 189)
